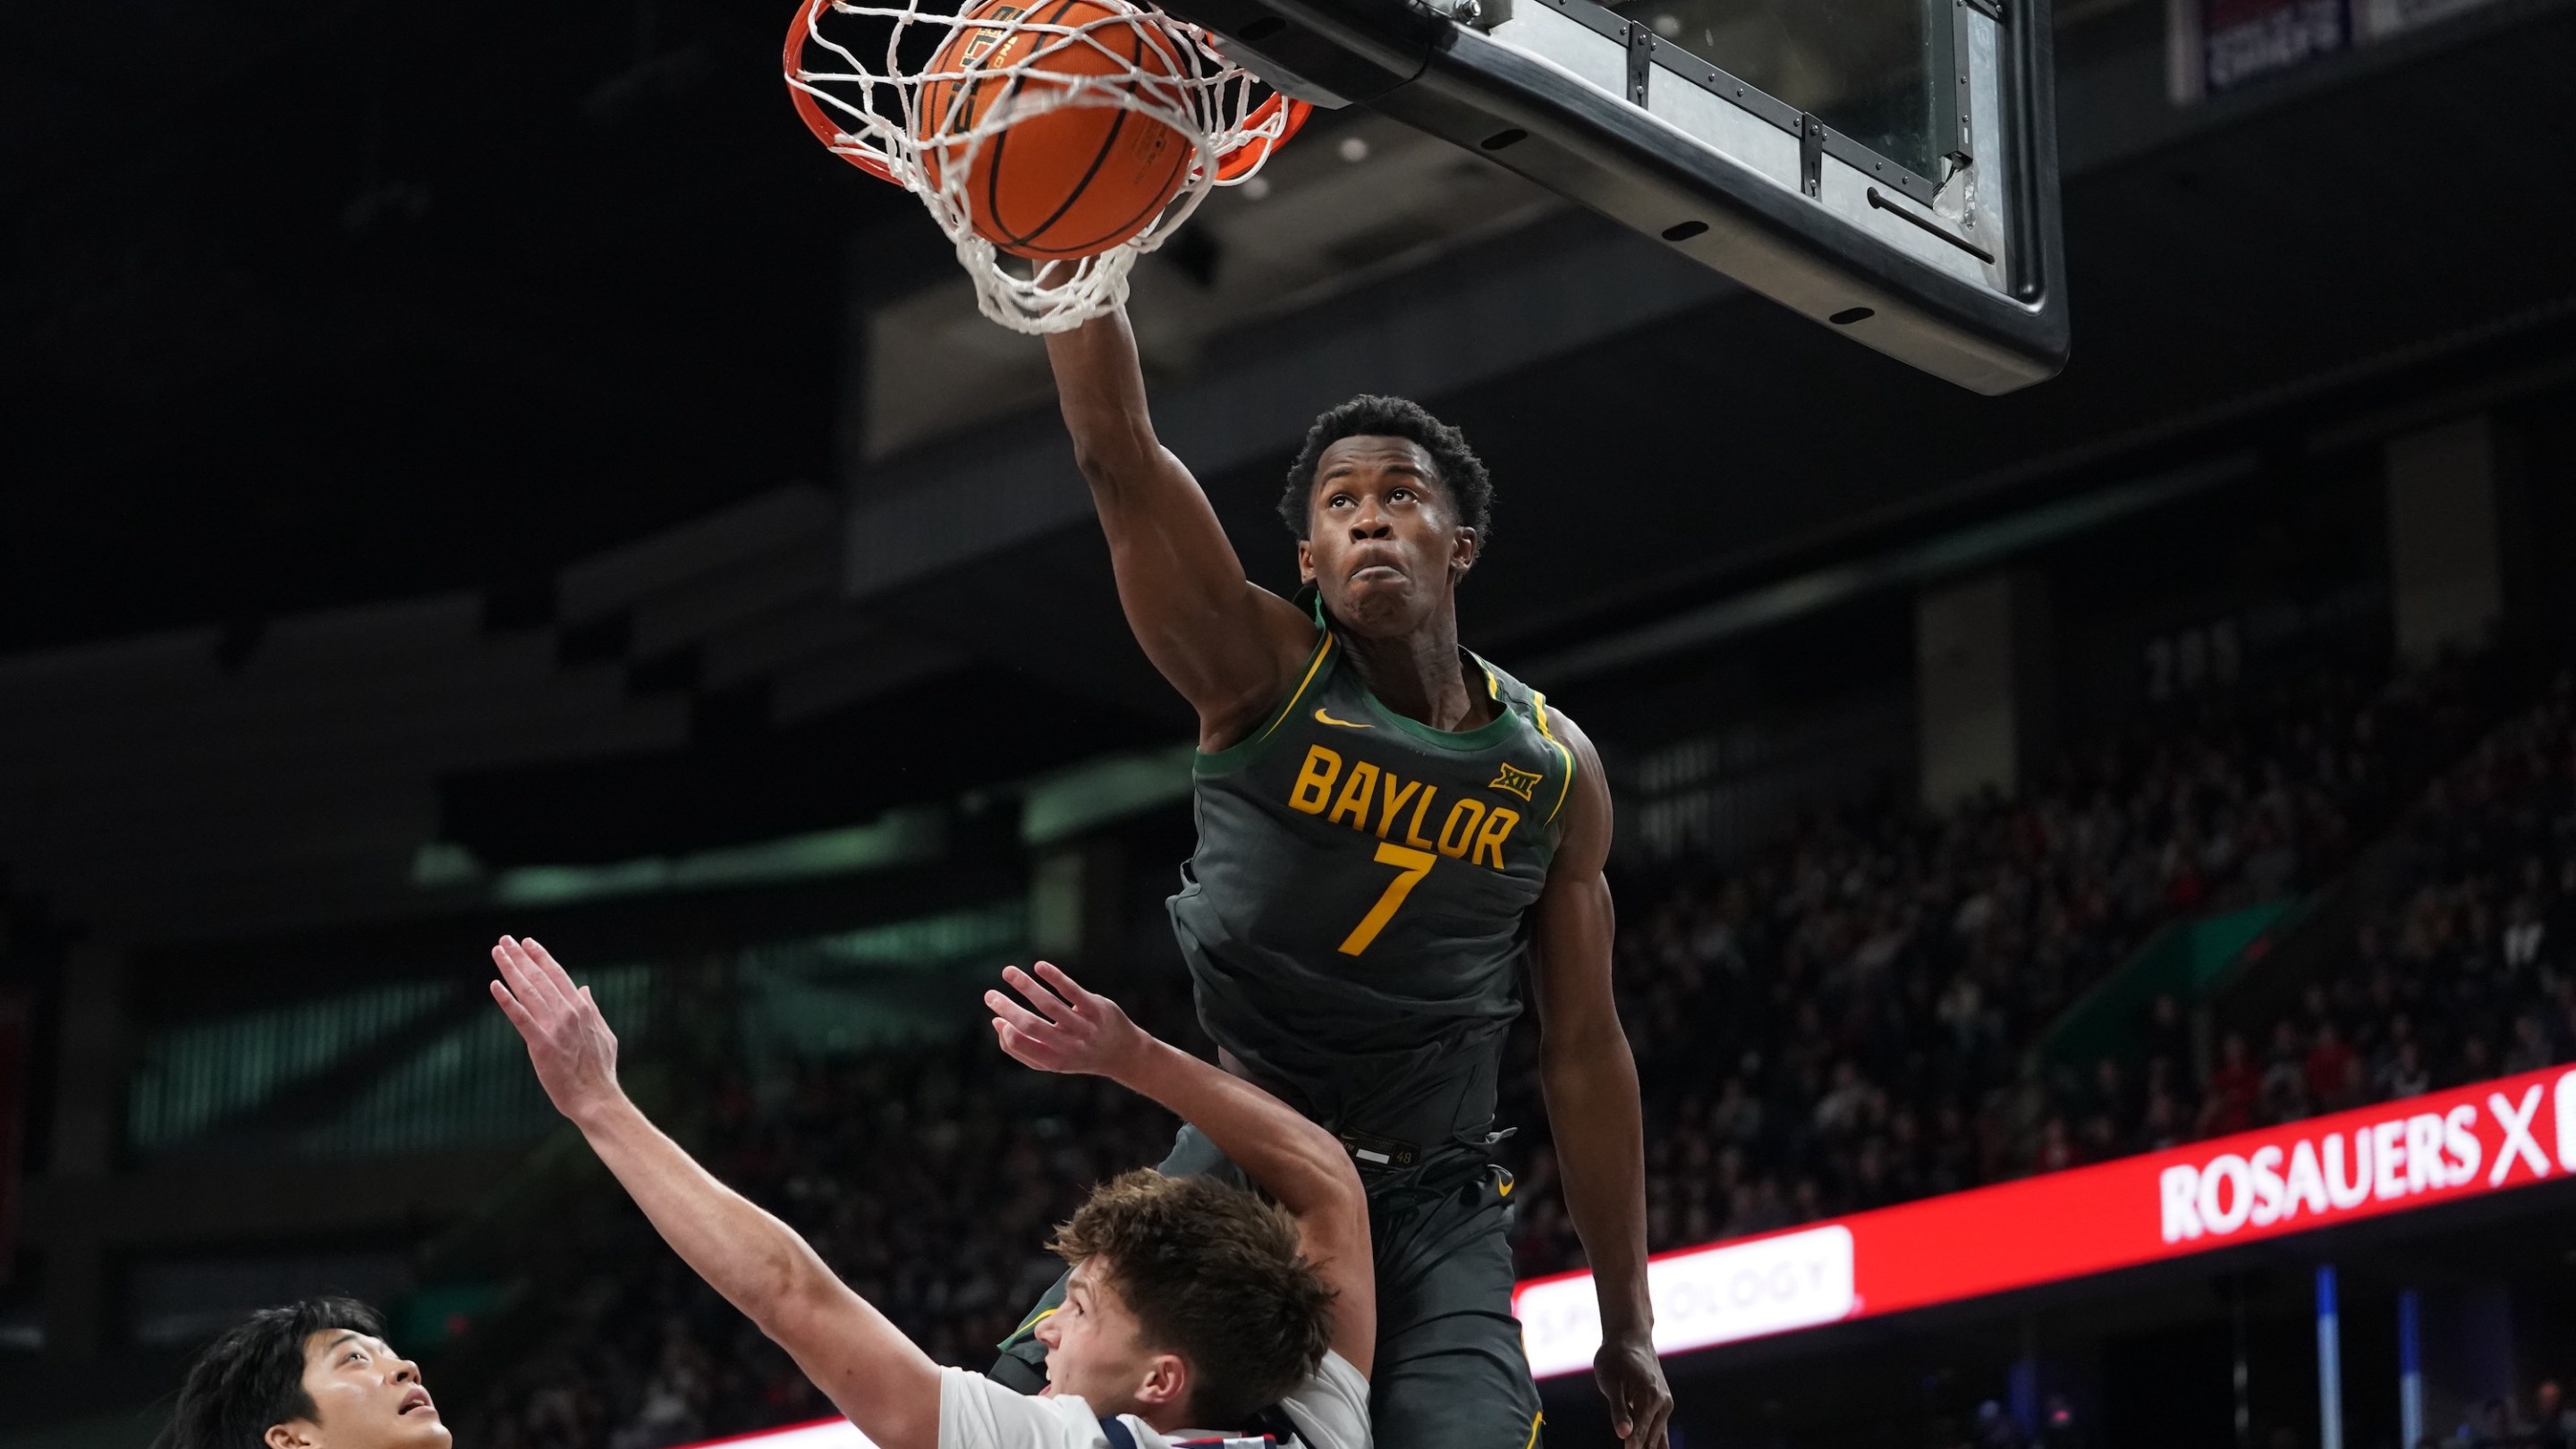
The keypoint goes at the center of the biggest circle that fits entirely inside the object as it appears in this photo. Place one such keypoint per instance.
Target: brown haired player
(1390, 830)
(1192, 1306)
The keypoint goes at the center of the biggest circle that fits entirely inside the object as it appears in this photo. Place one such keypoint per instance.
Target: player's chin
(1380, 601)
(422, 1429)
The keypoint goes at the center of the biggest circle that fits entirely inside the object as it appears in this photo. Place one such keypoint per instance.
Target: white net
(936, 87)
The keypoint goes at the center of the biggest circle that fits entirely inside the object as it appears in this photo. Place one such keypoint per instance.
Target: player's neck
(1422, 676)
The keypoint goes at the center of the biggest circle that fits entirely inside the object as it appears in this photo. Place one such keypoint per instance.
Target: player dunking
(1385, 823)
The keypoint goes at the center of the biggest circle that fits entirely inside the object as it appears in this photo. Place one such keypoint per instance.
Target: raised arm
(1230, 647)
(1591, 1084)
(1298, 1163)
(874, 1374)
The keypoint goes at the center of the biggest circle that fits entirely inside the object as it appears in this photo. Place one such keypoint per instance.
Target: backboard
(1886, 167)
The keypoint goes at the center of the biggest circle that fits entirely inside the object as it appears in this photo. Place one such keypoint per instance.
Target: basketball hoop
(939, 89)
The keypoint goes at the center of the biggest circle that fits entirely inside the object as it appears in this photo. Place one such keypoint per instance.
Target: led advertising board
(2442, 1147)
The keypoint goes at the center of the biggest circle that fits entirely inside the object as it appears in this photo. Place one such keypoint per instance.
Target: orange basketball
(1068, 182)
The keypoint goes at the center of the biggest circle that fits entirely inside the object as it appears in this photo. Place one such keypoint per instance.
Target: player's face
(365, 1396)
(1383, 541)
(1096, 1351)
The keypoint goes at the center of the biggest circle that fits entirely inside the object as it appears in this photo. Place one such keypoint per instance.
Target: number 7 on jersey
(1411, 866)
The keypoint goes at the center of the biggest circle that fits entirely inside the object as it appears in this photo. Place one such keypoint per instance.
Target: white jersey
(1330, 1410)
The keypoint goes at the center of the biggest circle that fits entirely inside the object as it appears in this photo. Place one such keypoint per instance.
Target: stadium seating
(1846, 1020)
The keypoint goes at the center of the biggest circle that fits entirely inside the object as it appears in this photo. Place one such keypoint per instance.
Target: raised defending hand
(569, 1042)
(1070, 1030)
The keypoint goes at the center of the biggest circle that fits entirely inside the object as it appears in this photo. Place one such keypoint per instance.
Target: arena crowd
(1846, 1020)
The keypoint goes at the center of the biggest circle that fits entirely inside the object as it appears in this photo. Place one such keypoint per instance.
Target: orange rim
(1242, 160)
(816, 120)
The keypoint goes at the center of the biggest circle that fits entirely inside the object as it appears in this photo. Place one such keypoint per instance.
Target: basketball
(1066, 182)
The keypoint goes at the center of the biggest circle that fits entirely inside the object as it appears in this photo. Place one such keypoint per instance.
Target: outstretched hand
(1070, 1029)
(569, 1042)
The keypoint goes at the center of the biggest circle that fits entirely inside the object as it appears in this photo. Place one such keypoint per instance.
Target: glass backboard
(1886, 167)
(1868, 68)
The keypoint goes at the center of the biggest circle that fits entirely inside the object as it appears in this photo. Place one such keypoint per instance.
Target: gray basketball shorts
(1449, 1372)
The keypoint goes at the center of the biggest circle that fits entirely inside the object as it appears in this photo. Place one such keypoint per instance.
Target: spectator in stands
(2333, 1073)
(2406, 1075)
(2532, 1048)
(2285, 1076)
(2235, 1089)
(2113, 1102)
(2553, 1419)
(2168, 1031)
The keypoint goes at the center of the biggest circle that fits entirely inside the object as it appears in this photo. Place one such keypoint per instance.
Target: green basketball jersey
(1355, 915)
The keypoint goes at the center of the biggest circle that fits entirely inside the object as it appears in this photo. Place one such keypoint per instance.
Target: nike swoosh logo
(1323, 718)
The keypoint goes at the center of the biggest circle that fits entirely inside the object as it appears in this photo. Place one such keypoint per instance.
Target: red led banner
(2396, 1157)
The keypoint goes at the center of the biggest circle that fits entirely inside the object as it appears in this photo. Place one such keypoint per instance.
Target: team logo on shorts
(1516, 781)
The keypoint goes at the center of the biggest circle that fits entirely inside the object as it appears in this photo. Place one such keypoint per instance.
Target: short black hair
(251, 1378)
(1461, 472)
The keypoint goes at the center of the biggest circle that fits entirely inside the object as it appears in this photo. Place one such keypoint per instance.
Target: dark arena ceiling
(307, 303)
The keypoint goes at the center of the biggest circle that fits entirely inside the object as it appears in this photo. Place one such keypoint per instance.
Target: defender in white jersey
(1195, 1312)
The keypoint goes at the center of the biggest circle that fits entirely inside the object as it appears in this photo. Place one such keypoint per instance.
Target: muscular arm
(1230, 647)
(1591, 1085)
(1298, 1163)
(870, 1370)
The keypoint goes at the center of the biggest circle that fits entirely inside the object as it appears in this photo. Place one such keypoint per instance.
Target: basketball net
(869, 112)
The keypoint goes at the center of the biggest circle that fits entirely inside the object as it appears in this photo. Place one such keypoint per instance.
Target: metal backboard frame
(1960, 275)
